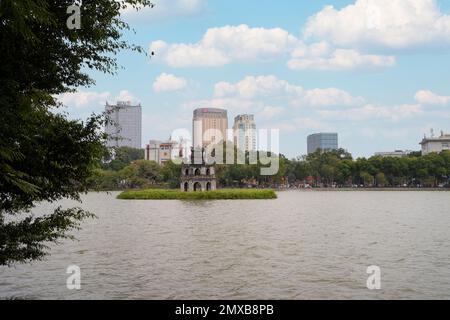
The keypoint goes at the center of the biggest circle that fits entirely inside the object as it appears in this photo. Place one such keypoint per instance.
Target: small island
(224, 194)
(198, 182)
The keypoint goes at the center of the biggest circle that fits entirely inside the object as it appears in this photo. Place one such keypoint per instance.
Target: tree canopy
(119, 158)
(44, 156)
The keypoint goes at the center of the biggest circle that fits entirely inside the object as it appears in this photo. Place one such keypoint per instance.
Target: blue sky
(375, 71)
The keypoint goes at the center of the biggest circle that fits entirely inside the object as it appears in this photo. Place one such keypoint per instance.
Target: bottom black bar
(213, 309)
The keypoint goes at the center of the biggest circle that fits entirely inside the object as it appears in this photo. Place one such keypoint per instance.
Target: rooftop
(122, 104)
(244, 117)
(199, 112)
(442, 137)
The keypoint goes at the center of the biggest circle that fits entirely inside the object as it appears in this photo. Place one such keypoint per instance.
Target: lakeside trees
(321, 169)
(44, 156)
(137, 174)
(336, 168)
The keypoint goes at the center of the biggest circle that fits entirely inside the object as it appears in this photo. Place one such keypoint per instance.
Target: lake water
(304, 245)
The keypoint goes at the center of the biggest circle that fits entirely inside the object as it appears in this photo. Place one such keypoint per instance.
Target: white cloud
(126, 96)
(82, 99)
(223, 89)
(307, 123)
(299, 124)
(334, 39)
(81, 103)
(231, 104)
(269, 112)
(329, 97)
(251, 87)
(427, 97)
(386, 23)
(374, 112)
(339, 59)
(317, 49)
(220, 46)
(163, 10)
(276, 103)
(168, 82)
(270, 87)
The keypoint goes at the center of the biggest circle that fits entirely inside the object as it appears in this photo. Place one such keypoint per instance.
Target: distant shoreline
(366, 189)
(321, 189)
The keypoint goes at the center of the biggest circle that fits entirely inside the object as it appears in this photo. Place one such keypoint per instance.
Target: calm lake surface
(304, 245)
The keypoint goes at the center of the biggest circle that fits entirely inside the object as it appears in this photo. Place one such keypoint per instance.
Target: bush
(226, 194)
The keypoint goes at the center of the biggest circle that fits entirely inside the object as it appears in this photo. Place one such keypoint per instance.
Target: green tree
(344, 172)
(149, 170)
(381, 180)
(367, 179)
(328, 172)
(324, 164)
(122, 157)
(302, 170)
(44, 156)
(171, 174)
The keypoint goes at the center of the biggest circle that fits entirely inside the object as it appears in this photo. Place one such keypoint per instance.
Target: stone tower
(198, 176)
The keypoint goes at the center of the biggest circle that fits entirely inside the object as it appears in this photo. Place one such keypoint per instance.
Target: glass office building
(323, 141)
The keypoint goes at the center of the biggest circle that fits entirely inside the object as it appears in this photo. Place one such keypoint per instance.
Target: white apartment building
(125, 125)
(162, 152)
(244, 132)
(435, 144)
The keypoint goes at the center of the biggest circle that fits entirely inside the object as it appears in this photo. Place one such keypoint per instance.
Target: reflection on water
(304, 245)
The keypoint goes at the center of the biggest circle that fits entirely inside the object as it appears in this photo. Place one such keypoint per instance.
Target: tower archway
(197, 186)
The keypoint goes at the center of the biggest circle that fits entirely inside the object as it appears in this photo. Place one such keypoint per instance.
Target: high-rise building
(125, 125)
(210, 126)
(437, 145)
(244, 132)
(322, 141)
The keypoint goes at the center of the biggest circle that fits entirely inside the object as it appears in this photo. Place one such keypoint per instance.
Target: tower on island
(197, 175)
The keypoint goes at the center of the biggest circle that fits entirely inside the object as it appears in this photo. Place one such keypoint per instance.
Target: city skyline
(125, 130)
(381, 87)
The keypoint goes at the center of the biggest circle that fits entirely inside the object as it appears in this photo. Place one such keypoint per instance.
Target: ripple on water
(304, 245)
